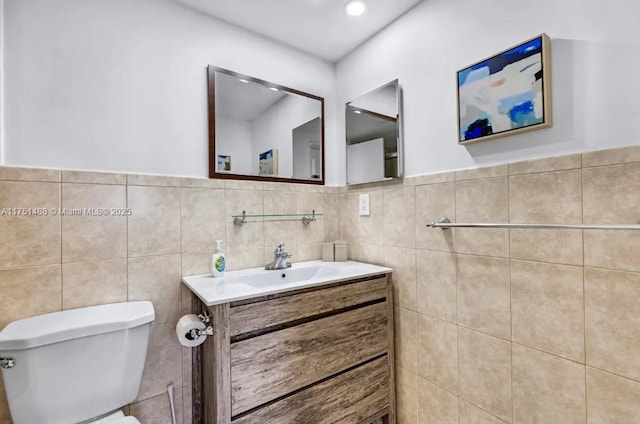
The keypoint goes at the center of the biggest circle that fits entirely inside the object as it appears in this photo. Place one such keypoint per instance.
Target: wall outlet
(365, 206)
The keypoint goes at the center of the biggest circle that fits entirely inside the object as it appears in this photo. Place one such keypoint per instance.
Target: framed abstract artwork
(506, 94)
(268, 162)
(224, 163)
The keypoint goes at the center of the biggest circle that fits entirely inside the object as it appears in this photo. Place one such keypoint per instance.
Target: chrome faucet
(279, 259)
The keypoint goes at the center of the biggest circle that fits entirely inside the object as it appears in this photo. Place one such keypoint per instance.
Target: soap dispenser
(218, 261)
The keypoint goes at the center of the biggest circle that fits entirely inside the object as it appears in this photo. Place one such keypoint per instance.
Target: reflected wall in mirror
(263, 131)
(374, 135)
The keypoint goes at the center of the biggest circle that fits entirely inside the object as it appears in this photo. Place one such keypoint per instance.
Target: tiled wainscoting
(516, 326)
(50, 263)
(493, 325)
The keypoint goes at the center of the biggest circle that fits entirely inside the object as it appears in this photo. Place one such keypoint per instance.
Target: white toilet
(76, 366)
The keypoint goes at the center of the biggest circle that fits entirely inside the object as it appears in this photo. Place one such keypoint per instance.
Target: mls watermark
(9, 212)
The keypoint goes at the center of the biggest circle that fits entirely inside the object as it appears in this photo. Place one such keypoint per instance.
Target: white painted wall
(596, 96)
(120, 85)
(233, 138)
(274, 130)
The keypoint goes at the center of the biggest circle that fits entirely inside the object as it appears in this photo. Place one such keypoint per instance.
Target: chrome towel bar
(445, 224)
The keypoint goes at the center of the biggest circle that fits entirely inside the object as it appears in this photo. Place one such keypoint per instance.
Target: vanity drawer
(280, 310)
(349, 398)
(267, 367)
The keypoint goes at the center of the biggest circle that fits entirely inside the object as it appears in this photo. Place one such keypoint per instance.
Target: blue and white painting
(503, 93)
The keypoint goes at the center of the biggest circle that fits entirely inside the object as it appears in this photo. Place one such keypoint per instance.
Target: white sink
(248, 283)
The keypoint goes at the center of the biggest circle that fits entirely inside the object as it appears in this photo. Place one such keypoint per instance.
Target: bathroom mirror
(263, 131)
(374, 135)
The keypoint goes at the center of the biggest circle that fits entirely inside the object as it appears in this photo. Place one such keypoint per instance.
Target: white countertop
(256, 282)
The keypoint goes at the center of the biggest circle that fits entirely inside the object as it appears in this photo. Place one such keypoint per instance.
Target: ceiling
(318, 27)
(244, 101)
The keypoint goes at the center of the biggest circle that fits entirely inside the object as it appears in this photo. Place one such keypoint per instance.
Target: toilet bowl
(117, 418)
(53, 362)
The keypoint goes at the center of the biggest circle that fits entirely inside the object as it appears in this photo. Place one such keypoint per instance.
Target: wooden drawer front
(275, 364)
(349, 398)
(255, 316)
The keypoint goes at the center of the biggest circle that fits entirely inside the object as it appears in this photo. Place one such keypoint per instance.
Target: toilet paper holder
(196, 333)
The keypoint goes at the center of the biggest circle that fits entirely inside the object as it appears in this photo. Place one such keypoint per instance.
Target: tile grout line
(584, 293)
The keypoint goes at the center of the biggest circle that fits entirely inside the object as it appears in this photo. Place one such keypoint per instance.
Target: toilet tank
(75, 365)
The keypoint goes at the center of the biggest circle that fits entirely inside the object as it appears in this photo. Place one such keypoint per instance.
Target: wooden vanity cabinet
(322, 355)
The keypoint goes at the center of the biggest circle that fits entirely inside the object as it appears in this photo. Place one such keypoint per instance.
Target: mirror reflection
(260, 130)
(374, 139)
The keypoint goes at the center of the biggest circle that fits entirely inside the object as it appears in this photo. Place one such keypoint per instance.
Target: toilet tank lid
(75, 323)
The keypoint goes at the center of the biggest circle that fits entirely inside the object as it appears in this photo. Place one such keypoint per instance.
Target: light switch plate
(365, 206)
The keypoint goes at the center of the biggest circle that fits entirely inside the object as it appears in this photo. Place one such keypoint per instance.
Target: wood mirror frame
(211, 87)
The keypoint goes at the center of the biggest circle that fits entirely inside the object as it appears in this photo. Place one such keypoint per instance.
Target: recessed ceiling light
(355, 7)
(273, 88)
(243, 80)
(357, 111)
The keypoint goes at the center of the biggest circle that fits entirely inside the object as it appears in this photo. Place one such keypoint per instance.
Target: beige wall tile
(310, 233)
(611, 156)
(11, 173)
(252, 257)
(371, 254)
(547, 389)
(483, 200)
(187, 408)
(555, 246)
(154, 226)
(471, 414)
(547, 198)
(399, 217)
(280, 230)
(433, 202)
(29, 240)
(406, 334)
(251, 234)
(158, 279)
(436, 406)
(611, 399)
(86, 177)
(610, 194)
(196, 263)
(370, 228)
(436, 284)
(547, 308)
(306, 252)
(557, 163)
(187, 366)
(438, 352)
(153, 180)
(484, 295)
(94, 238)
(243, 185)
(403, 262)
(440, 177)
(28, 292)
(201, 183)
(348, 216)
(202, 219)
(485, 172)
(406, 396)
(485, 372)
(612, 308)
(163, 365)
(307, 202)
(331, 217)
(94, 283)
(612, 249)
(186, 297)
(156, 410)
